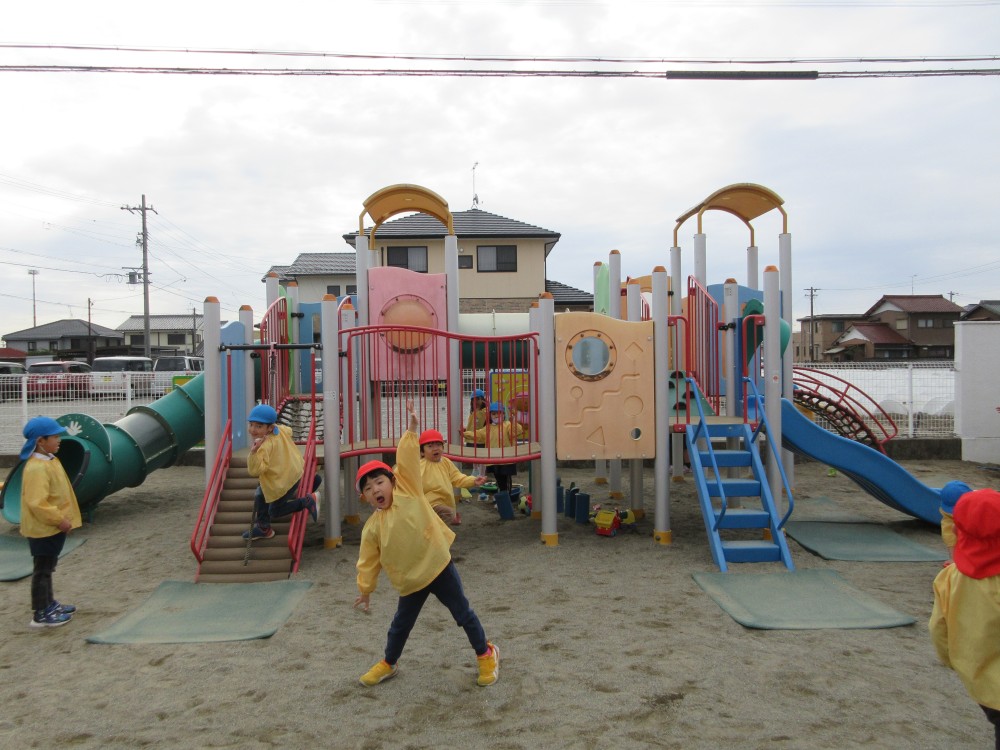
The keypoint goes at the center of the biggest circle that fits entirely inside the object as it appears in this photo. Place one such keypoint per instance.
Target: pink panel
(398, 296)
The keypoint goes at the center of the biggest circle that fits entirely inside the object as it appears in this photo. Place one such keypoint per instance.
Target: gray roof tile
(472, 223)
(62, 329)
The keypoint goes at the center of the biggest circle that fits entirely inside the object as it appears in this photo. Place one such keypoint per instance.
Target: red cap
(977, 527)
(431, 436)
(368, 468)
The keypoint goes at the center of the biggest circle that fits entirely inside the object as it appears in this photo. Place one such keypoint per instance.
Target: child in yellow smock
(407, 539)
(49, 512)
(441, 477)
(965, 621)
(499, 433)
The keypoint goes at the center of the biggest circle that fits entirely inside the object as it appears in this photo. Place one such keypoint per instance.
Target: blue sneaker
(311, 504)
(258, 533)
(49, 617)
(64, 608)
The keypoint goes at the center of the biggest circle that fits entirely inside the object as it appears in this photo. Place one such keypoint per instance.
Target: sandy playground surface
(604, 642)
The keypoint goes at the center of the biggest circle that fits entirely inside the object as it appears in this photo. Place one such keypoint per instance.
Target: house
(501, 262)
(987, 309)
(817, 334)
(66, 339)
(919, 326)
(168, 334)
(7, 354)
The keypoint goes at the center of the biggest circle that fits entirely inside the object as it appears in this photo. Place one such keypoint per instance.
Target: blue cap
(950, 494)
(38, 427)
(264, 414)
(479, 393)
(497, 406)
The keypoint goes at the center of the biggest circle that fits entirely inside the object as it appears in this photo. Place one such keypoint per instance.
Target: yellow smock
(47, 497)
(277, 464)
(503, 434)
(965, 629)
(948, 530)
(408, 539)
(440, 478)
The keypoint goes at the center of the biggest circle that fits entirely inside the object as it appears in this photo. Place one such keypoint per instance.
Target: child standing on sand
(277, 462)
(406, 538)
(965, 621)
(440, 477)
(49, 512)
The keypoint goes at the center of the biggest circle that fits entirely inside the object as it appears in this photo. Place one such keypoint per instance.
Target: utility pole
(194, 330)
(811, 294)
(951, 296)
(34, 315)
(145, 270)
(90, 334)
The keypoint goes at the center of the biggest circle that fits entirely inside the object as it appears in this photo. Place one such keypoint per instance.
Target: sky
(889, 182)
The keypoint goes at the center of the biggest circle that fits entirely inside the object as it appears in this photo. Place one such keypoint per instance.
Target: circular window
(407, 310)
(590, 355)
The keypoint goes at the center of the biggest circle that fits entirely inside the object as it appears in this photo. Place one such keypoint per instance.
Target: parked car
(11, 377)
(58, 379)
(117, 375)
(183, 364)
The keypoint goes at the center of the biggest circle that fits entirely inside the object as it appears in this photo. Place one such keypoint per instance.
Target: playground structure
(654, 373)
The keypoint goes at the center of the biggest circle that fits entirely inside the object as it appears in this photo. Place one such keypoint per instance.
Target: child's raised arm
(414, 424)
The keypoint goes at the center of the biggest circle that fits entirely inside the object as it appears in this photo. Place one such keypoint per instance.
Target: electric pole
(951, 295)
(811, 294)
(145, 270)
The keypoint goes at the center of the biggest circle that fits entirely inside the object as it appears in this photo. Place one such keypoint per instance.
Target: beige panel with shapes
(604, 387)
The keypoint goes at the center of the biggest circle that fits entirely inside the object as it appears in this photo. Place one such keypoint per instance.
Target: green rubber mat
(867, 542)
(797, 600)
(182, 612)
(15, 557)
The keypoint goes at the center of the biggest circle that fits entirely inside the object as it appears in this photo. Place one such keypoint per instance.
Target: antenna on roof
(475, 198)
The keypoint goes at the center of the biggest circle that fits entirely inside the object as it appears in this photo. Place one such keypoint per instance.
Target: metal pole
(145, 281)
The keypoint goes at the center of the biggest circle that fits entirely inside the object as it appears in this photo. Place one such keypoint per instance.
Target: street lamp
(34, 317)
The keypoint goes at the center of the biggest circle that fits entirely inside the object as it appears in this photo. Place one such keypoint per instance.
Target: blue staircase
(716, 493)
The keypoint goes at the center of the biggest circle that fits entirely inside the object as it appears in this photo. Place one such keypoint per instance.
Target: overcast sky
(890, 183)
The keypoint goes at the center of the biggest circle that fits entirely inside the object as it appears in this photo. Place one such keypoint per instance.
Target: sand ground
(605, 642)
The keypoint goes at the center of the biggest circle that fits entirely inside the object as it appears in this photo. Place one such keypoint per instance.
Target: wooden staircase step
(228, 494)
(235, 506)
(240, 517)
(257, 552)
(239, 472)
(247, 483)
(237, 529)
(236, 567)
(237, 540)
(241, 578)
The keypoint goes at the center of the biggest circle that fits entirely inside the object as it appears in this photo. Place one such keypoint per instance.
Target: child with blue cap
(276, 461)
(49, 511)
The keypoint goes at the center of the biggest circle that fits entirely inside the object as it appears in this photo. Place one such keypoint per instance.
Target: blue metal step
(751, 551)
(733, 487)
(744, 518)
(725, 458)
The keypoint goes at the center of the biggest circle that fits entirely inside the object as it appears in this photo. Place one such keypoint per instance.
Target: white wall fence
(919, 396)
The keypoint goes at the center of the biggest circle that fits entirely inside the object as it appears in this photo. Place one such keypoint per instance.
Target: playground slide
(874, 472)
(102, 459)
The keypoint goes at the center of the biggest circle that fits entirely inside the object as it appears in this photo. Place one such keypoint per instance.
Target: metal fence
(919, 396)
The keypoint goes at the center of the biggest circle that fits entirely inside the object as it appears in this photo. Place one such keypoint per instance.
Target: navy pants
(994, 717)
(447, 587)
(45, 553)
(284, 506)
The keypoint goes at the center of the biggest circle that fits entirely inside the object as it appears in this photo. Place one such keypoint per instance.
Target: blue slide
(874, 472)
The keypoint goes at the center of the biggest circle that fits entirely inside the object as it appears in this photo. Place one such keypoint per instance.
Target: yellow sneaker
(380, 672)
(489, 666)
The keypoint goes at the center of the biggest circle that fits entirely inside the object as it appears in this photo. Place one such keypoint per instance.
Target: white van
(116, 375)
(179, 364)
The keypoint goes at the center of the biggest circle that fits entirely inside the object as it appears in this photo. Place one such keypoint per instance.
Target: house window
(837, 326)
(31, 346)
(465, 261)
(352, 289)
(925, 322)
(496, 258)
(176, 339)
(333, 289)
(53, 346)
(137, 338)
(413, 258)
(901, 324)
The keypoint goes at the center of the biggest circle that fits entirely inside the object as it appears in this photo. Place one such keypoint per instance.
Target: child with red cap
(406, 538)
(965, 621)
(441, 477)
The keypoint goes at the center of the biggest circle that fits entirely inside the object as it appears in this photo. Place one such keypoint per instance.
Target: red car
(58, 380)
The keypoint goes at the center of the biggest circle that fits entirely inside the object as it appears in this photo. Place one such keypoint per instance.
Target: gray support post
(213, 383)
(661, 372)
(546, 493)
(633, 299)
(330, 492)
(246, 320)
(785, 277)
(772, 382)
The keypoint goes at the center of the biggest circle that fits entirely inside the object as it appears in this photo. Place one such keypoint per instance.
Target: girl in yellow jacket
(407, 539)
(965, 621)
(49, 511)
(499, 433)
(440, 477)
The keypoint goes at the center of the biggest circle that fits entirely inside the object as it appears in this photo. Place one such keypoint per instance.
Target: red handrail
(850, 399)
(297, 526)
(274, 367)
(213, 491)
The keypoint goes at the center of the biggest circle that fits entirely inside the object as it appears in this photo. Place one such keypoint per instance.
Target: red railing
(213, 491)
(861, 417)
(703, 362)
(274, 361)
(297, 526)
(390, 365)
